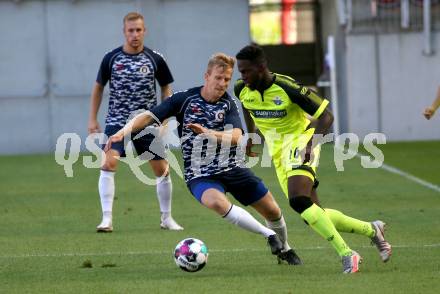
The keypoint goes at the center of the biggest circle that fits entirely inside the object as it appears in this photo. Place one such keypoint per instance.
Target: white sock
(240, 217)
(280, 228)
(164, 188)
(106, 186)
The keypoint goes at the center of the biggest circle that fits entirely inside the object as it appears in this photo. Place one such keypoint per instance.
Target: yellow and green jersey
(280, 113)
(282, 107)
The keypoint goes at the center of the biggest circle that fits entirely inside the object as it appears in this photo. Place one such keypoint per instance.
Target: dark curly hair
(253, 53)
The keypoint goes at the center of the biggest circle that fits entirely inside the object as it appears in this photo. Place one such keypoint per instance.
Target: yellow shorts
(289, 160)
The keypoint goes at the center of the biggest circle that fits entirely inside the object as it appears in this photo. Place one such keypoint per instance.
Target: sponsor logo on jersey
(269, 113)
(119, 66)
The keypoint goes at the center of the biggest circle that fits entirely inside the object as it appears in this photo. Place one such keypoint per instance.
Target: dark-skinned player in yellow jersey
(280, 108)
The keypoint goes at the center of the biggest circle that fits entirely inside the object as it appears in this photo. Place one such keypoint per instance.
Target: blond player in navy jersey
(210, 129)
(131, 71)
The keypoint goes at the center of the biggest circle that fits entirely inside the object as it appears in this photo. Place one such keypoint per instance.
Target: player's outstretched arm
(430, 110)
(137, 123)
(233, 135)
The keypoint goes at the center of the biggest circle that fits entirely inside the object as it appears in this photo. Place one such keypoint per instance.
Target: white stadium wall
(384, 80)
(50, 52)
(389, 83)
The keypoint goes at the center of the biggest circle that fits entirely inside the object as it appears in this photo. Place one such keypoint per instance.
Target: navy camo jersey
(203, 157)
(132, 82)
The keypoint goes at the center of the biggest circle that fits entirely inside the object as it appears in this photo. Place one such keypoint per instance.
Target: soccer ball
(191, 254)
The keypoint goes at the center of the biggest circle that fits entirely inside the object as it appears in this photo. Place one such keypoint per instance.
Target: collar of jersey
(268, 86)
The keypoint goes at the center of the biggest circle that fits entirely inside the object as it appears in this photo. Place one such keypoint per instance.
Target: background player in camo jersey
(132, 71)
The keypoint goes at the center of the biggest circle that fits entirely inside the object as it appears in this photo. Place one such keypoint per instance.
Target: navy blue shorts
(240, 182)
(141, 145)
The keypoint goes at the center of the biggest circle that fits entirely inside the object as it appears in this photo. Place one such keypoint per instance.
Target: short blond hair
(221, 60)
(133, 16)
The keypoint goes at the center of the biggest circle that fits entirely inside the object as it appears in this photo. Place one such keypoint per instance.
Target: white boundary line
(410, 177)
(395, 170)
(157, 252)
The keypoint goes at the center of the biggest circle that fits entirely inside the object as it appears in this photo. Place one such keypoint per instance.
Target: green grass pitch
(48, 242)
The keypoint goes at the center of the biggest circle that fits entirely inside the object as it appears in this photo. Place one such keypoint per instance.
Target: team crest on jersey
(219, 115)
(144, 70)
(277, 101)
